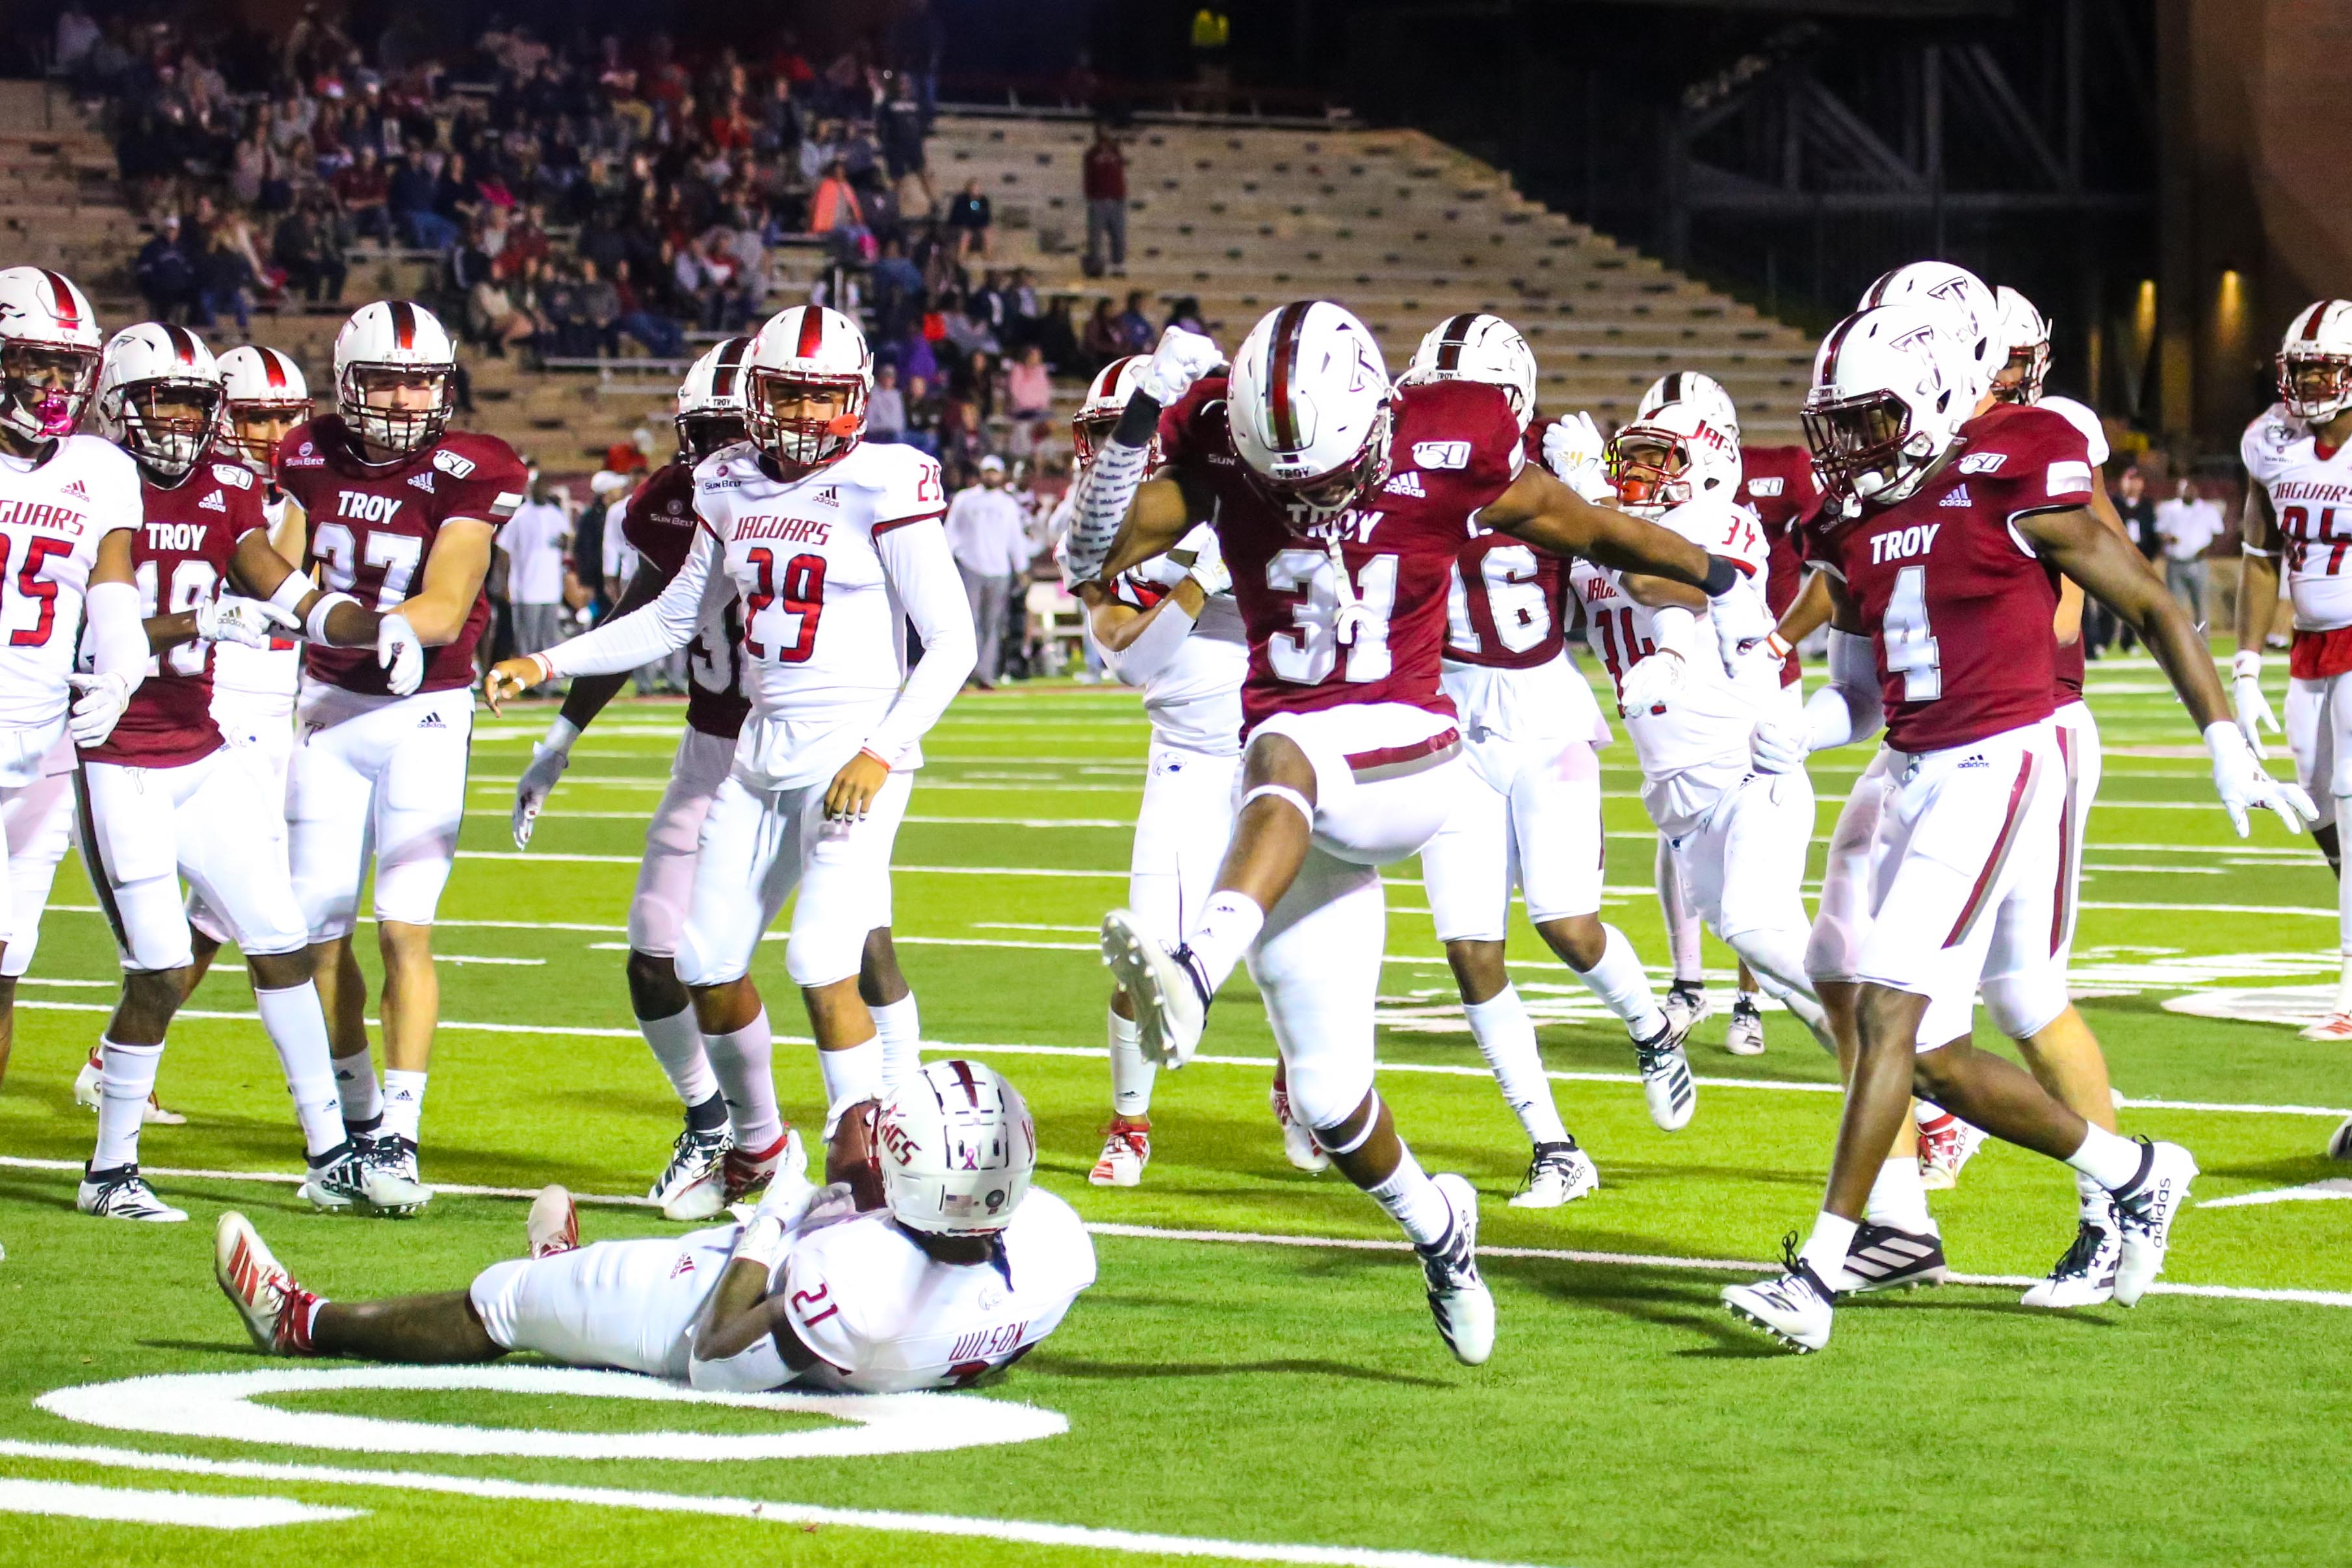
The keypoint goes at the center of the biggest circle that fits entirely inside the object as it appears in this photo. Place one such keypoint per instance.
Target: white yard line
(147, 1505)
(2314, 1192)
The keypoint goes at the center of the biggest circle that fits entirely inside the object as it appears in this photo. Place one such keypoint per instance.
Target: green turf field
(1255, 1377)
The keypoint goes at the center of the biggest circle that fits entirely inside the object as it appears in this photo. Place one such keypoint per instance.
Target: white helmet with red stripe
(1679, 451)
(1106, 399)
(1891, 390)
(1701, 391)
(1309, 405)
(1476, 346)
(49, 346)
(395, 371)
(1973, 317)
(2027, 333)
(710, 400)
(159, 395)
(808, 374)
(957, 1149)
(2315, 361)
(263, 387)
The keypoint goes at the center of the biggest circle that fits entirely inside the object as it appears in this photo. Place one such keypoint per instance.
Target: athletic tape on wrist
(1363, 1134)
(1282, 791)
(315, 629)
(290, 592)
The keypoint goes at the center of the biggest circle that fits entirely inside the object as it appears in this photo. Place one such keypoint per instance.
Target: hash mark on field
(143, 1504)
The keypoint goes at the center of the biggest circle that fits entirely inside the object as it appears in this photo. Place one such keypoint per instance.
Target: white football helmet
(1475, 346)
(1974, 320)
(956, 1148)
(1106, 399)
(2315, 361)
(1309, 405)
(382, 346)
(1891, 390)
(49, 348)
(710, 400)
(1676, 454)
(158, 396)
(1699, 389)
(264, 385)
(2027, 333)
(807, 351)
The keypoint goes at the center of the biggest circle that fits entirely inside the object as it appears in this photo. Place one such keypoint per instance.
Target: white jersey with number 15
(53, 513)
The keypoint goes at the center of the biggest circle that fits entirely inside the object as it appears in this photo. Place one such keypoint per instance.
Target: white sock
(851, 1074)
(355, 1086)
(2098, 1204)
(1229, 922)
(127, 1079)
(1130, 1075)
(1825, 1250)
(1750, 999)
(297, 1026)
(677, 1043)
(1622, 987)
(1899, 1198)
(1506, 1038)
(2108, 1158)
(404, 1102)
(1681, 916)
(901, 1028)
(740, 1060)
(1413, 1201)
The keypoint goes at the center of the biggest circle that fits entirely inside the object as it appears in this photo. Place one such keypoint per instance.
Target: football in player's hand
(850, 1157)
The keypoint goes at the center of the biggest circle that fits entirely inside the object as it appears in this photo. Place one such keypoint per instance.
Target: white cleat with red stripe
(2337, 1026)
(554, 1223)
(276, 1309)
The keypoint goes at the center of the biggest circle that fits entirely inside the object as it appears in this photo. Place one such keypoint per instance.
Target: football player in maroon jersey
(1944, 538)
(1341, 503)
(402, 514)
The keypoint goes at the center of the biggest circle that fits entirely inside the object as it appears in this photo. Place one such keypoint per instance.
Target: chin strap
(1351, 616)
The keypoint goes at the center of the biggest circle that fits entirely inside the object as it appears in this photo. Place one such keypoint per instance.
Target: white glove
(1743, 629)
(400, 653)
(1776, 746)
(1209, 567)
(2246, 699)
(2240, 782)
(549, 758)
(1572, 448)
(99, 705)
(1652, 682)
(1182, 359)
(249, 623)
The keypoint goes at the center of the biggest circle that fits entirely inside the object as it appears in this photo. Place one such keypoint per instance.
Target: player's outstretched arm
(698, 596)
(2258, 580)
(921, 570)
(587, 697)
(1808, 612)
(454, 571)
(1160, 513)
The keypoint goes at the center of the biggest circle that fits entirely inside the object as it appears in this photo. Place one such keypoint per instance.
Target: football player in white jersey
(1171, 628)
(2299, 504)
(961, 1269)
(829, 544)
(1532, 817)
(68, 505)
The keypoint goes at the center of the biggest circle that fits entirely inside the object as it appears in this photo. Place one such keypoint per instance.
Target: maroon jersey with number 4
(659, 527)
(1777, 484)
(1956, 601)
(1453, 446)
(372, 526)
(180, 555)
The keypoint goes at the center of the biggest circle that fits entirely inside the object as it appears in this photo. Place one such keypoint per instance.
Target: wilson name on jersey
(180, 559)
(1454, 447)
(1958, 602)
(53, 513)
(372, 526)
(660, 527)
(2310, 491)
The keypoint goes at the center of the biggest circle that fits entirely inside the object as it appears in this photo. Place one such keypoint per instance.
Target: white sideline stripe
(2334, 1187)
(139, 1505)
(1024, 1531)
(504, 815)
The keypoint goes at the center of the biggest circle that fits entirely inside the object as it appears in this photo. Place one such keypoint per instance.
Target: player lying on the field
(930, 1264)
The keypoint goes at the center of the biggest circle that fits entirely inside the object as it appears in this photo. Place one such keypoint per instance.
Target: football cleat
(123, 1194)
(2145, 1212)
(2337, 1026)
(1298, 1145)
(1666, 1082)
(1795, 1307)
(1687, 1004)
(1458, 1298)
(748, 1172)
(1745, 1036)
(345, 1181)
(90, 1092)
(1170, 993)
(2085, 1276)
(392, 1180)
(554, 1223)
(1556, 1174)
(1945, 1143)
(2339, 1147)
(694, 1185)
(276, 1309)
(1127, 1149)
(1882, 1257)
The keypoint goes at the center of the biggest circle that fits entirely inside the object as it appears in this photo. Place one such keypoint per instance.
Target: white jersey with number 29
(53, 513)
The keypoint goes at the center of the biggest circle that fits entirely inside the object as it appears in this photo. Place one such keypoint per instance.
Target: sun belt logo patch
(1441, 454)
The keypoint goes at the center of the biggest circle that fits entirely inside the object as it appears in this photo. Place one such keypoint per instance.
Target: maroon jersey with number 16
(660, 528)
(1508, 609)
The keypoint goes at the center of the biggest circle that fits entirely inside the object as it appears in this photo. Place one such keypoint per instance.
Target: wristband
(315, 627)
(1138, 422)
(560, 733)
(1777, 647)
(290, 592)
(764, 1241)
(1722, 574)
(870, 752)
(2246, 663)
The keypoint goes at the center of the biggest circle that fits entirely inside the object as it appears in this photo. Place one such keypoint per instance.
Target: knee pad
(1280, 792)
(2024, 1004)
(1324, 1093)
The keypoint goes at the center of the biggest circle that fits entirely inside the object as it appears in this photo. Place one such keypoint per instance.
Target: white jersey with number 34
(52, 515)
(2311, 498)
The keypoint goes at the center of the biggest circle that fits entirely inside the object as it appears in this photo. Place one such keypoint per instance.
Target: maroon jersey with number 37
(1959, 605)
(660, 528)
(372, 526)
(1454, 447)
(180, 555)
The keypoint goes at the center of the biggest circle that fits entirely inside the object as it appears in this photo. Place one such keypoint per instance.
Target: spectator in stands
(1186, 313)
(455, 197)
(1135, 333)
(411, 193)
(363, 192)
(834, 211)
(989, 538)
(1028, 386)
(968, 220)
(1105, 181)
(167, 279)
(309, 248)
(2188, 524)
(2137, 510)
(224, 281)
(1104, 342)
(249, 166)
(886, 407)
(534, 540)
(77, 34)
(662, 338)
(499, 316)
